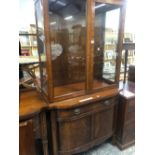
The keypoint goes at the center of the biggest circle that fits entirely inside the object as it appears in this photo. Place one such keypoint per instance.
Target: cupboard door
(26, 138)
(103, 123)
(74, 133)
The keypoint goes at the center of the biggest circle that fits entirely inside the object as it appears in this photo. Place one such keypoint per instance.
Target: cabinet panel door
(103, 123)
(26, 139)
(74, 133)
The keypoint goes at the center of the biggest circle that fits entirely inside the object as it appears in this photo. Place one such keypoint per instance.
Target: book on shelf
(25, 52)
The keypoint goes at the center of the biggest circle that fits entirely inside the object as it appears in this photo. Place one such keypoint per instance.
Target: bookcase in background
(28, 40)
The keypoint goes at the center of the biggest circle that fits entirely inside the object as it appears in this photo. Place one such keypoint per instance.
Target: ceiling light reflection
(98, 6)
(52, 23)
(68, 17)
(61, 3)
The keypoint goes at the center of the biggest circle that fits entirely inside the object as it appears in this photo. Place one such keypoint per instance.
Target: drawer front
(129, 132)
(130, 113)
(82, 110)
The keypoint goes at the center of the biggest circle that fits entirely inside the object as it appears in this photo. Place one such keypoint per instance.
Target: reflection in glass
(111, 38)
(106, 37)
(41, 44)
(68, 45)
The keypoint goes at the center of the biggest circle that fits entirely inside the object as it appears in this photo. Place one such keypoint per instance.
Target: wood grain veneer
(31, 104)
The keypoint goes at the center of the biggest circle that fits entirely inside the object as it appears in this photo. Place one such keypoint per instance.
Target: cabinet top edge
(30, 104)
(83, 100)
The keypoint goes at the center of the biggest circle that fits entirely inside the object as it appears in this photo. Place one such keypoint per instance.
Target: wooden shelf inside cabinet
(68, 89)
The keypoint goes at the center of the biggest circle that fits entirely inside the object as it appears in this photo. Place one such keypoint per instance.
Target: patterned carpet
(109, 149)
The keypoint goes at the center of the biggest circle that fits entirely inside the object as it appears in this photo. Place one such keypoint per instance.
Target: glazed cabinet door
(26, 138)
(74, 133)
(106, 42)
(103, 123)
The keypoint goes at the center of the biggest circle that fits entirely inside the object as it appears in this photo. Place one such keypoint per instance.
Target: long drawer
(87, 109)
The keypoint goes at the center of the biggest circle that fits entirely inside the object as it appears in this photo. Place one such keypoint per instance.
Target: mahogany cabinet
(26, 138)
(125, 132)
(79, 44)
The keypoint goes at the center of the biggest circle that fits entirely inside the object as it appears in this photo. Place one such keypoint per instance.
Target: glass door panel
(105, 43)
(67, 19)
(41, 43)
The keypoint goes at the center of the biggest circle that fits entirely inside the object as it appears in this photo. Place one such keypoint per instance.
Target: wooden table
(29, 64)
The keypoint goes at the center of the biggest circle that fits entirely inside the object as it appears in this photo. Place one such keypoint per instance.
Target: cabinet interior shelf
(69, 89)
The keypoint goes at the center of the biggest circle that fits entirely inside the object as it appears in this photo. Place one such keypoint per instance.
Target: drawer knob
(107, 102)
(77, 111)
